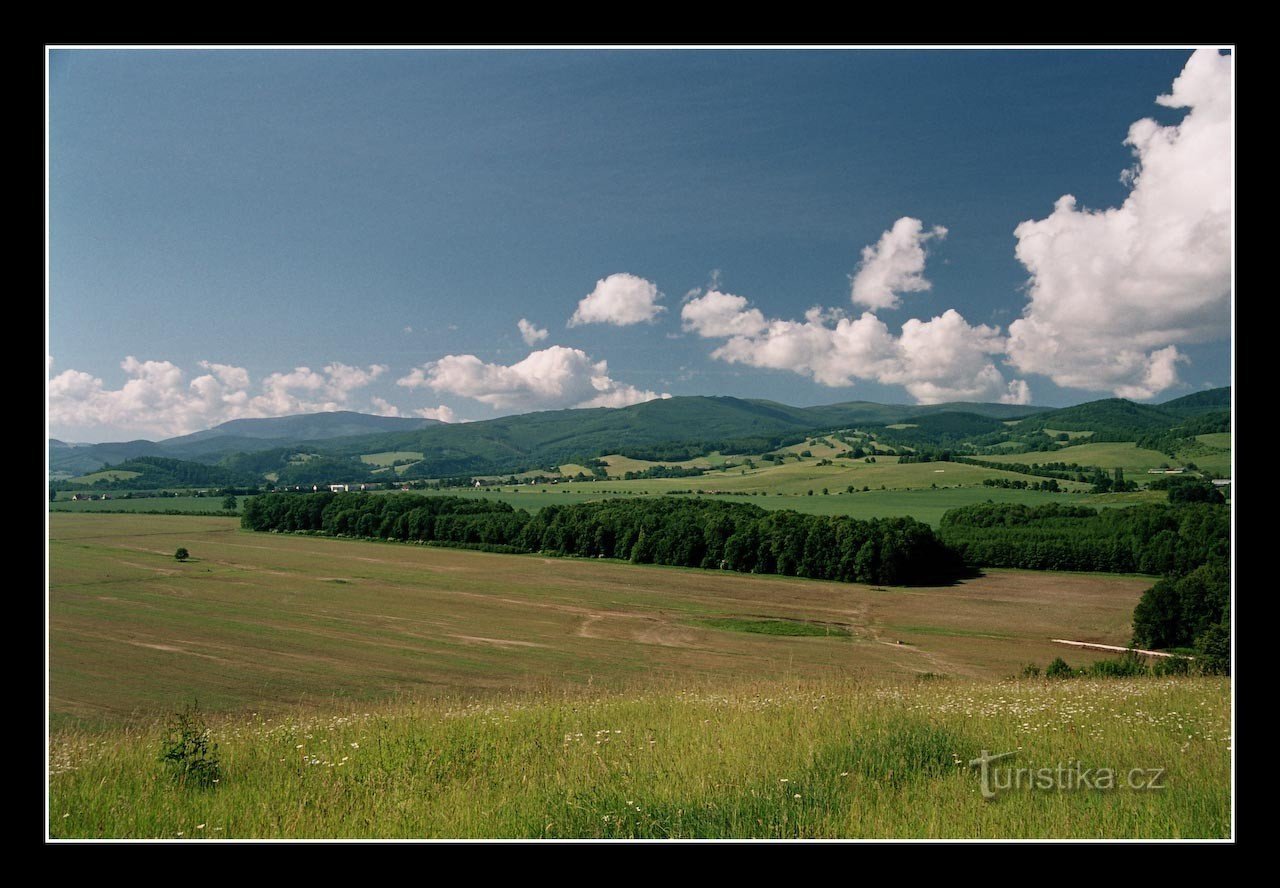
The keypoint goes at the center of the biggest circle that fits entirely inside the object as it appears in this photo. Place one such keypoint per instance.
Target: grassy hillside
(807, 758)
(1110, 455)
(271, 621)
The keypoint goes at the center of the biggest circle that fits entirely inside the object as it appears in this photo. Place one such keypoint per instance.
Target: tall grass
(768, 760)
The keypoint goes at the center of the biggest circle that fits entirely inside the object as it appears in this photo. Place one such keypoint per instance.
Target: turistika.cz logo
(1071, 776)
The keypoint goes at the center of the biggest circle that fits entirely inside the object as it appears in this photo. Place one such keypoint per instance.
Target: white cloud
(550, 378)
(157, 400)
(531, 333)
(894, 265)
(383, 407)
(442, 413)
(1113, 293)
(942, 359)
(720, 314)
(619, 299)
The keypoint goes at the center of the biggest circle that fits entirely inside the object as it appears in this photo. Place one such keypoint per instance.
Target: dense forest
(1153, 539)
(662, 530)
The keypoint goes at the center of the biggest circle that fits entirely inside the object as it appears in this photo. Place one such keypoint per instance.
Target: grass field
(109, 475)
(1221, 440)
(387, 457)
(800, 477)
(269, 620)
(361, 689)
(190, 504)
(1109, 455)
(813, 758)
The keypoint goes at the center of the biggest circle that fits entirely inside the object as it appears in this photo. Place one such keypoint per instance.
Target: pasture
(265, 622)
(1107, 455)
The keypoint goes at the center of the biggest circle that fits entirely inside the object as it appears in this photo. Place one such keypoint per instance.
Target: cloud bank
(1113, 292)
(547, 379)
(942, 359)
(157, 400)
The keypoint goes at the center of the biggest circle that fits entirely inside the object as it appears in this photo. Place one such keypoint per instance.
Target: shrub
(1129, 664)
(182, 554)
(1058, 669)
(1171, 666)
(187, 750)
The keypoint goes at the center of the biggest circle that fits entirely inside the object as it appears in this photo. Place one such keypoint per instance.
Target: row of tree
(659, 530)
(1153, 539)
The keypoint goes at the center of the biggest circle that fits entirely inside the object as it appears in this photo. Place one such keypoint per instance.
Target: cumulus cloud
(717, 314)
(442, 413)
(619, 299)
(156, 399)
(895, 264)
(383, 407)
(549, 378)
(942, 359)
(531, 333)
(1113, 292)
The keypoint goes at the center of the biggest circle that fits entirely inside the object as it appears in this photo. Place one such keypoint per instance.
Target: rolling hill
(235, 436)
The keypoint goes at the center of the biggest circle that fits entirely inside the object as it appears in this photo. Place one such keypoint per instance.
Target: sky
(462, 234)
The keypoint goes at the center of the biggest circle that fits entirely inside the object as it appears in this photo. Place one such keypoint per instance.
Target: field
(109, 475)
(362, 689)
(387, 457)
(189, 504)
(1109, 455)
(1221, 440)
(276, 620)
(765, 759)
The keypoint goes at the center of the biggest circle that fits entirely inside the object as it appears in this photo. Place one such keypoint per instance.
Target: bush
(181, 554)
(1171, 666)
(188, 752)
(1058, 669)
(1130, 664)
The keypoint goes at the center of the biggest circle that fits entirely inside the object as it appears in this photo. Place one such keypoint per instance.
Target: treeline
(1049, 486)
(1150, 539)
(1189, 611)
(683, 451)
(663, 472)
(662, 530)
(1060, 470)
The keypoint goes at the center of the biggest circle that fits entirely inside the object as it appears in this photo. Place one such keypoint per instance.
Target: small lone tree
(188, 750)
(182, 554)
(229, 504)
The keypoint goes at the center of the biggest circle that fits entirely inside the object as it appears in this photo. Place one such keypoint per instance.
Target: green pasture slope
(376, 690)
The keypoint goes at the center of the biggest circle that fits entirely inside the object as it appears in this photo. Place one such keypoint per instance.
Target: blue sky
(383, 219)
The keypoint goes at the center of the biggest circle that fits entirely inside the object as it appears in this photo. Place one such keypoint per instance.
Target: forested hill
(667, 429)
(1116, 419)
(673, 428)
(235, 436)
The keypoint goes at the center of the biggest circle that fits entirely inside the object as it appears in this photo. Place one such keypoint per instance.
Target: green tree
(182, 554)
(229, 504)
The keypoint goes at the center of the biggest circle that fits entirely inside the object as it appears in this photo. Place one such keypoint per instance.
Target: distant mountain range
(673, 428)
(234, 436)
